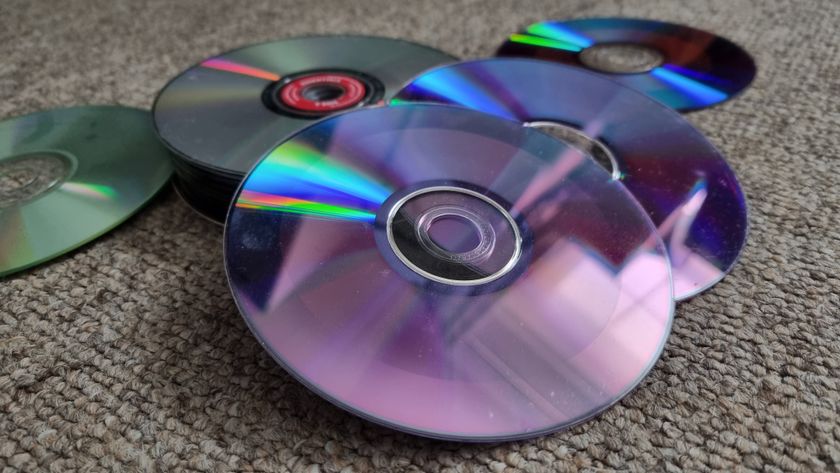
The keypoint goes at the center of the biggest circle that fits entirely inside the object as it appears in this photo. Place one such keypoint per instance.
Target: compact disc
(228, 110)
(69, 175)
(682, 67)
(448, 273)
(688, 189)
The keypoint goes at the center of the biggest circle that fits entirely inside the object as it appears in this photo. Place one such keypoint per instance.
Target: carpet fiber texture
(129, 355)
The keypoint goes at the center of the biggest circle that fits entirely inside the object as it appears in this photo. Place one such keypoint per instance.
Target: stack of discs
(221, 115)
(496, 251)
(206, 189)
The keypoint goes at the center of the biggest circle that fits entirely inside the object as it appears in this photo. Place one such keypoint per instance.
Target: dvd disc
(682, 67)
(688, 189)
(69, 175)
(224, 113)
(448, 273)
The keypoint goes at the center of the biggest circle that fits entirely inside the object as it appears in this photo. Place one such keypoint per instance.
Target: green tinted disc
(69, 175)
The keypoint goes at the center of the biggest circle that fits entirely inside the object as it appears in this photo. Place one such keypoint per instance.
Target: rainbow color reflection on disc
(561, 313)
(227, 111)
(688, 69)
(70, 175)
(688, 189)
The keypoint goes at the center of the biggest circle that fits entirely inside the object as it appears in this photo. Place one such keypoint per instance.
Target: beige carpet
(129, 354)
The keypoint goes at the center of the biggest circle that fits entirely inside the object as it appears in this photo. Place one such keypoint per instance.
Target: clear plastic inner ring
(27, 176)
(485, 232)
(621, 58)
(412, 218)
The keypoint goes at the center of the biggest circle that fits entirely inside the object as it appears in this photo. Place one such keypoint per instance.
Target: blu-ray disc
(688, 189)
(682, 67)
(69, 175)
(448, 273)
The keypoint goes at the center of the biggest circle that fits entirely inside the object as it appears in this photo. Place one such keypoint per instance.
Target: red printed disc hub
(322, 92)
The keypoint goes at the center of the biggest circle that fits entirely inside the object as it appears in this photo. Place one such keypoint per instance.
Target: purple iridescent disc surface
(678, 176)
(682, 67)
(448, 273)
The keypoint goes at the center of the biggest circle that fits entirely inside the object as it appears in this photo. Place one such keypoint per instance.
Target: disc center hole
(26, 176)
(621, 58)
(582, 142)
(322, 92)
(454, 233)
(14, 179)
